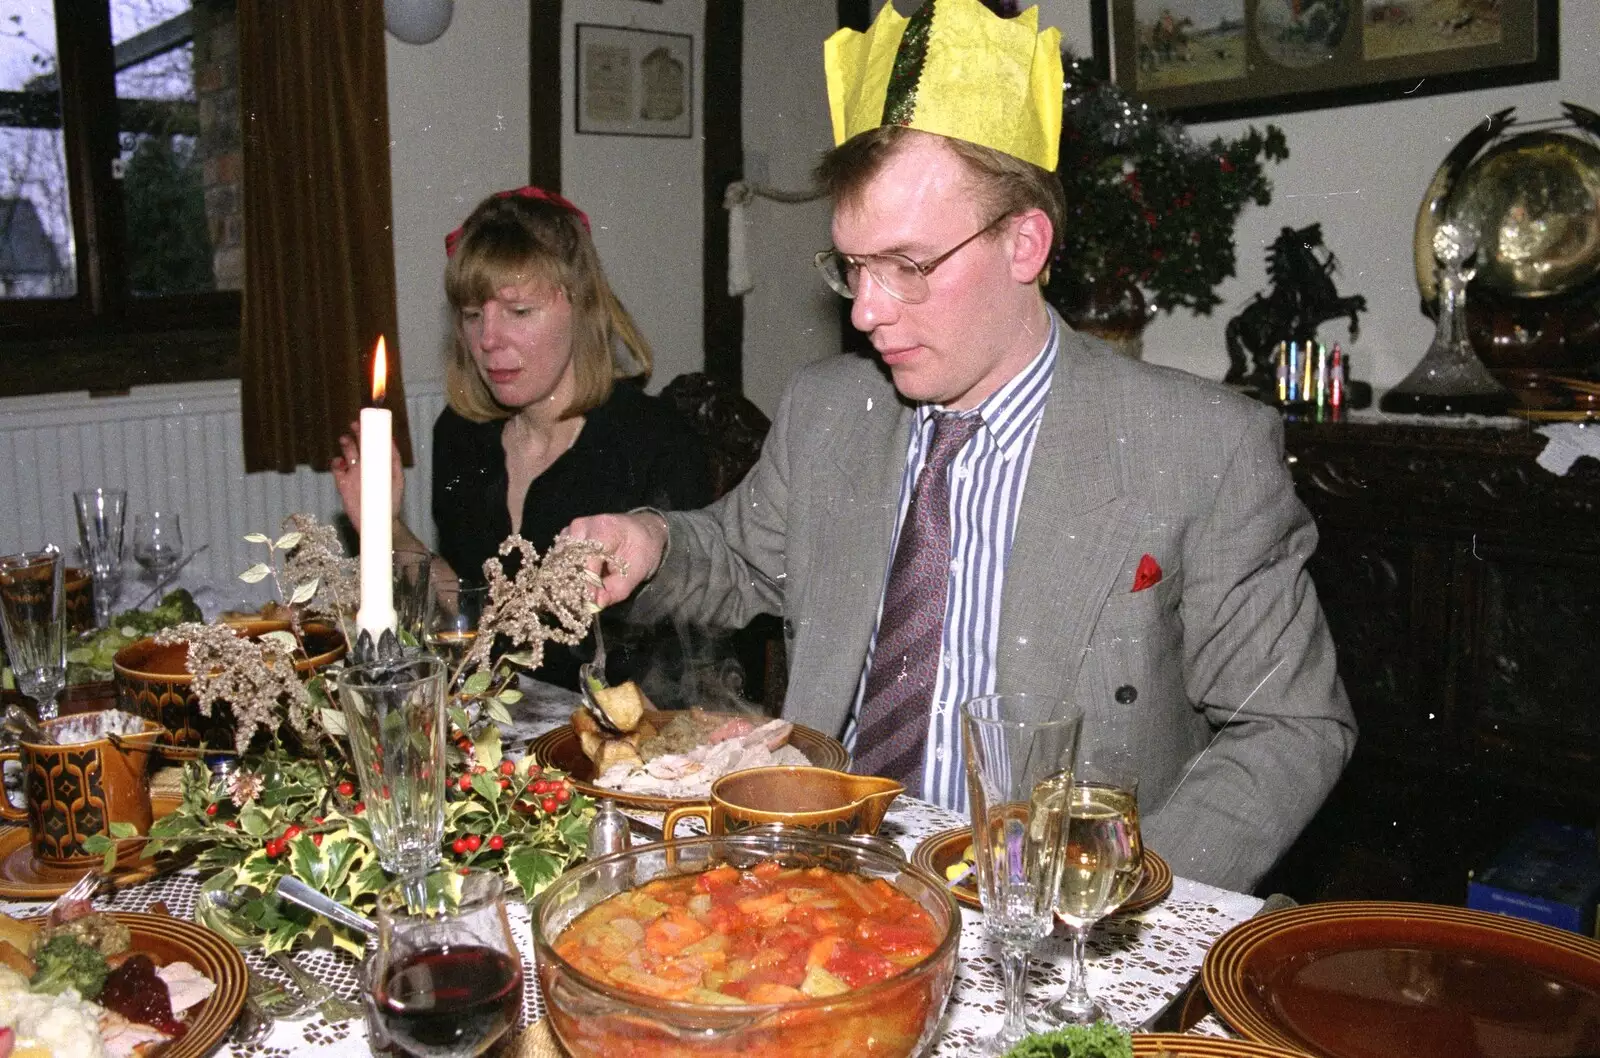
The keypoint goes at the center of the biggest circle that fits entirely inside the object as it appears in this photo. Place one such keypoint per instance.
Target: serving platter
(168, 940)
(1372, 979)
(559, 748)
(941, 850)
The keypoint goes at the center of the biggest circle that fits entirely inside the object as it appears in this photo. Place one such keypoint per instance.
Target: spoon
(592, 679)
(297, 892)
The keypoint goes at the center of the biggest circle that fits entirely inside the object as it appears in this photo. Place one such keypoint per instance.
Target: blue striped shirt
(986, 484)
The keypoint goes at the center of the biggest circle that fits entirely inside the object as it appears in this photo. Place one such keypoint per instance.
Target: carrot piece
(673, 932)
(822, 950)
(767, 869)
(756, 904)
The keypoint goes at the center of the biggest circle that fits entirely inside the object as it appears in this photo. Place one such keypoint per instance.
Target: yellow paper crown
(954, 68)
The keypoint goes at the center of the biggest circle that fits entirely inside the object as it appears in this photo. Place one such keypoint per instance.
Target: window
(121, 251)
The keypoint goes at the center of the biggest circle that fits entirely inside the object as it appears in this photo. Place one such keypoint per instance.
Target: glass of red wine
(445, 979)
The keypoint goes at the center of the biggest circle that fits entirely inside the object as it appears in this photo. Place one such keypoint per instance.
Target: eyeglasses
(900, 277)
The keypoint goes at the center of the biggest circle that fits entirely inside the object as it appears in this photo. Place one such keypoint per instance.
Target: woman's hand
(347, 475)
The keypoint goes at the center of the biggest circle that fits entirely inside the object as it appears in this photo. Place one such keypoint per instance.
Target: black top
(633, 451)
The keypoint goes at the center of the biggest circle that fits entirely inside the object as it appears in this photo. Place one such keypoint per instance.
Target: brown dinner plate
(559, 748)
(1164, 1045)
(168, 940)
(24, 878)
(1369, 979)
(939, 851)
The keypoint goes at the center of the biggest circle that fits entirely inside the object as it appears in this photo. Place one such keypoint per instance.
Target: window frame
(101, 339)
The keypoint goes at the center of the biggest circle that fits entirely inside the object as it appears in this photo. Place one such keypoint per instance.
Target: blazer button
(1127, 694)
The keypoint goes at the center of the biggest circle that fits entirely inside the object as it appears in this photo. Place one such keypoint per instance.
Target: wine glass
(1102, 863)
(446, 976)
(33, 616)
(452, 623)
(157, 542)
(101, 514)
(1019, 758)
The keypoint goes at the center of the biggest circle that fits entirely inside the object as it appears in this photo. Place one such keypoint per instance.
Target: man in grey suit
(1118, 536)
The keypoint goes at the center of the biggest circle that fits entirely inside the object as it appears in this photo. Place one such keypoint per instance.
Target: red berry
(234, 823)
(316, 839)
(211, 810)
(541, 787)
(534, 771)
(464, 870)
(459, 846)
(346, 789)
(564, 794)
(319, 820)
(473, 842)
(290, 833)
(505, 784)
(384, 793)
(497, 842)
(507, 767)
(274, 849)
(360, 806)
(549, 804)
(478, 769)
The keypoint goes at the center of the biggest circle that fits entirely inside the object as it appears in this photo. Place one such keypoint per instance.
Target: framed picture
(634, 82)
(1204, 60)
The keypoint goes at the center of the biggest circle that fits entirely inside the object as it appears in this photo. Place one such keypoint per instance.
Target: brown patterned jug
(79, 789)
(833, 802)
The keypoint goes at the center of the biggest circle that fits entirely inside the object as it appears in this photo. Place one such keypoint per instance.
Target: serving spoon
(592, 678)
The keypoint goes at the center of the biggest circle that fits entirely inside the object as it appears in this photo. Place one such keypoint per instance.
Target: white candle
(376, 614)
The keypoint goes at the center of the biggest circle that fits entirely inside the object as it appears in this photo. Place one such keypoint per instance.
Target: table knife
(1170, 1017)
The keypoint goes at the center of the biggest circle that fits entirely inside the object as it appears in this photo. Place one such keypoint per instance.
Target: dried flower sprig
(256, 678)
(318, 558)
(560, 587)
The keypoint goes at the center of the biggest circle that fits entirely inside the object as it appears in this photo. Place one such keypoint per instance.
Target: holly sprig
(505, 815)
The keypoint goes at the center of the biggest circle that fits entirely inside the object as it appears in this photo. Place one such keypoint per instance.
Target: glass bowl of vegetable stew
(764, 944)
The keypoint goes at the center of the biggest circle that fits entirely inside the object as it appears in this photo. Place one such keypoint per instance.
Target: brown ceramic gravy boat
(834, 802)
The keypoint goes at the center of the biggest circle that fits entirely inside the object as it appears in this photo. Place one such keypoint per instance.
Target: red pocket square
(1148, 575)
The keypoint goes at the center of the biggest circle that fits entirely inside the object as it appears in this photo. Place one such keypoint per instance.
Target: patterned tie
(893, 726)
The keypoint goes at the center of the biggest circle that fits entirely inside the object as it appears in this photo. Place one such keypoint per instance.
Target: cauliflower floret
(60, 1026)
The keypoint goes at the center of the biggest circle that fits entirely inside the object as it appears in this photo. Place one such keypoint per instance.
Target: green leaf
(487, 786)
(486, 748)
(522, 659)
(341, 855)
(287, 542)
(532, 869)
(333, 722)
(303, 592)
(258, 538)
(497, 712)
(254, 821)
(256, 573)
(307, 862)
(458, 717)
(123, 830)
(476, 684)
(283, 640)
(99, 843)
(509, 696)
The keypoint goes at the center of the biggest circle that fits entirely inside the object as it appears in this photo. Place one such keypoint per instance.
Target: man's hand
(639, 540)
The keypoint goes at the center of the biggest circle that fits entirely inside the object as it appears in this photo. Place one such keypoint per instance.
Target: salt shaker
(608, 831)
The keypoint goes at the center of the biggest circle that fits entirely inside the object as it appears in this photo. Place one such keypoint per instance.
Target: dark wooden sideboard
(1462, 584)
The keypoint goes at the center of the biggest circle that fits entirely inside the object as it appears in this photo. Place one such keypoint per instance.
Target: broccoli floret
(1100, 1040)
(66, 962)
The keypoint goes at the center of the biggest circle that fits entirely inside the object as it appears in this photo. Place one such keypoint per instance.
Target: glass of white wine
(1019, 755)
(451, 628)
(157, 542)
(1102, 864)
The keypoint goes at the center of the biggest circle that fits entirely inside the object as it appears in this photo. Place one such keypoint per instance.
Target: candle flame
(380, 371)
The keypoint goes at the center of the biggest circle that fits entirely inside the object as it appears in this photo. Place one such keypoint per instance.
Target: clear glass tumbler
(395, 718)
(33, 613)
(452, 624)
(1020, 751)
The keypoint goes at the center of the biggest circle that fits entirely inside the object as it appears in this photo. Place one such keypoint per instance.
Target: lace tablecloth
(1136, 962)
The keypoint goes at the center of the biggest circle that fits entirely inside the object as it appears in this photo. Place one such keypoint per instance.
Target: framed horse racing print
(1204, 60)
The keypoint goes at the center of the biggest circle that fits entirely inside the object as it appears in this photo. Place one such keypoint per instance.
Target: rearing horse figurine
(1302, 297)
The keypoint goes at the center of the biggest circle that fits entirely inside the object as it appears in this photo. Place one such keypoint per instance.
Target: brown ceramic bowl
(891, 1018)
(152, 681)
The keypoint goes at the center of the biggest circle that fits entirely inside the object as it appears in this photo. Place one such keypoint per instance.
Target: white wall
(643, 193)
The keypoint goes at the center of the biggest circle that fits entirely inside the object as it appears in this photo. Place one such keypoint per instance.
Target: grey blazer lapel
(1073, 533)
(856, 498)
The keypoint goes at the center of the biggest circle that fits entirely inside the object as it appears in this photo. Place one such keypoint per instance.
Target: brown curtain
(319, 283)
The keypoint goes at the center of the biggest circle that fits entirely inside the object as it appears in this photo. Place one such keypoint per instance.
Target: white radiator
(174, 448)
